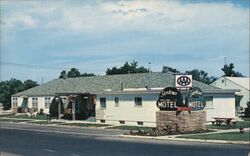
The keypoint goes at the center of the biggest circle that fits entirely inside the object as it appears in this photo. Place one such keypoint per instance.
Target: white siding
(223, 106)
(225, 83)
(127, 111)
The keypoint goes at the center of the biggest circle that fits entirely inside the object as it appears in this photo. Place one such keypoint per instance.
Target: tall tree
(166, 69)
(126, 69)
(12, 86)
(29, 84)
(63, 74)
(228, 71)
(74, 73)
(201, 76)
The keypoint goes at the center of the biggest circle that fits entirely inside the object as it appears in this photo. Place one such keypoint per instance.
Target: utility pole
(225, 60)
(150, 75)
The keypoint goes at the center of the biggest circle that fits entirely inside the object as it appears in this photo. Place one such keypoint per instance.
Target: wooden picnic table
(219, 120)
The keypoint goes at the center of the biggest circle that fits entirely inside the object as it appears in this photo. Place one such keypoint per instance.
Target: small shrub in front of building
(41, 112)
(166, 131)
(19, 110)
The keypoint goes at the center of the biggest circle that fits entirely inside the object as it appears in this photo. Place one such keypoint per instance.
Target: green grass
(84, 125)
(43, 122)
(243, 124)
(13, 120)
(5, 115)
(233, 136)
(246, 119)
(131, 128)
(25, 116)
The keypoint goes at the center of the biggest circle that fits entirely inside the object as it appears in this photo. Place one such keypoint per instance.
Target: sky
(39, 38)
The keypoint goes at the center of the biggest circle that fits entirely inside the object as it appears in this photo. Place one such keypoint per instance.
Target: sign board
(183, 81)
(196, 99)
(169, 99)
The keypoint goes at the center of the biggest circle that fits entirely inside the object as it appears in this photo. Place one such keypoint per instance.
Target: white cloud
(160, 16)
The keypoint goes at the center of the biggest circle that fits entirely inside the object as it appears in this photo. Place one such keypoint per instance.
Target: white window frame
(34, 102)
(14, 102)
(47, 102)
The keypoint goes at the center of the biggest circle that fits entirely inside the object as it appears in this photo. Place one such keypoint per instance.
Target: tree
(53, 108)
(74, 73)
(166, 69)
(201, 76)
(29, 84)
(12, 86)
(87, 74)
(63, 74)
(126, 69)
(228, 71)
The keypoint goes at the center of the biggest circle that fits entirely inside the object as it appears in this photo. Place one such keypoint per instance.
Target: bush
(53, 109)
(41, 111)
(19, 110)
(247, 110)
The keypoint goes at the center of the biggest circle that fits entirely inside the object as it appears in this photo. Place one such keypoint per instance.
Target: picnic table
(219, 120)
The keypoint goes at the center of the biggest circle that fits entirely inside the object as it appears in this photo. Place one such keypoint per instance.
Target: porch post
(73, 109)
(59, 108)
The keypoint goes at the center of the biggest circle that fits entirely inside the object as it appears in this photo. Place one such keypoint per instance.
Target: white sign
(183, 81)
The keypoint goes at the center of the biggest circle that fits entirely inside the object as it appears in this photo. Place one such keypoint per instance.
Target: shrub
(53, 109)
(41, 111)
(247, 110)
(19, 110)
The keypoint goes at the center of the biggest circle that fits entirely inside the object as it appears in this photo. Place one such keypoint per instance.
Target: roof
(98, 84)
(242, 81)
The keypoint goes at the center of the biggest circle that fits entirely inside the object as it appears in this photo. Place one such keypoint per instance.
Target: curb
(172, 138)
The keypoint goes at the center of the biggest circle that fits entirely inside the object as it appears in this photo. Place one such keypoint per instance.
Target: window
(102, 121)
(116, 102)
(47, 102)
(14, 102)
(138, 101)
(209, 102)
(34, 103)
(64, 101)
(139, 123)
(103, 102)
(122, 122)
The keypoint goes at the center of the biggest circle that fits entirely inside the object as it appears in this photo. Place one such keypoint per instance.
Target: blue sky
(95, 35)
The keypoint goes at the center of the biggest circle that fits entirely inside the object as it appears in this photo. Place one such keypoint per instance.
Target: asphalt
(100, 131)
(21, 142)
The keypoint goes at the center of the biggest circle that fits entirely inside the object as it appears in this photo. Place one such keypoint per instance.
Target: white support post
(59, 108)
(73, 109)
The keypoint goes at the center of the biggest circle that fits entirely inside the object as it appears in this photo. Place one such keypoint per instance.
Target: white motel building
(128, 99)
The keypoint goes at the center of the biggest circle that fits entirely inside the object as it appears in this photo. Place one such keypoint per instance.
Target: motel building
(126, 99)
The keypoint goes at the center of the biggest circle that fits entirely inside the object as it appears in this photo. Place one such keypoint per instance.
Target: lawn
(84, 125)
(246, 119)
(43, 122)
(12, 120)
(243, 124)
(131, 128)
(25, 116)
(233, 136)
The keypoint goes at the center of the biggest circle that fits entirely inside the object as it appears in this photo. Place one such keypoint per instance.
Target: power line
(29, 65)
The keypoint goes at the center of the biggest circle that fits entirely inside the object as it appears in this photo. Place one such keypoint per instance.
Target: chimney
(165, 69)
(121, 86)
